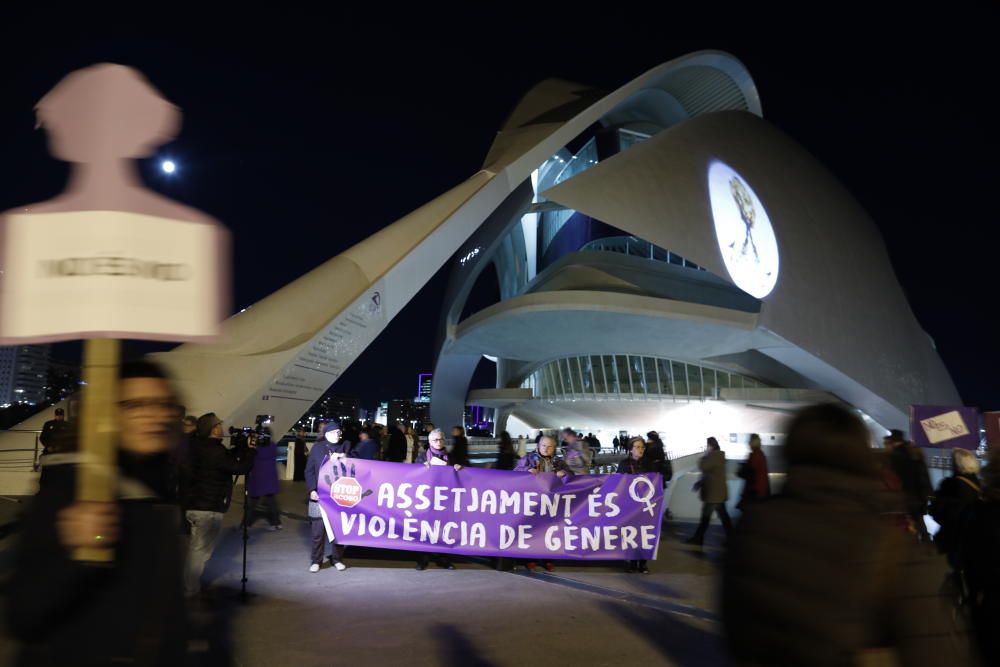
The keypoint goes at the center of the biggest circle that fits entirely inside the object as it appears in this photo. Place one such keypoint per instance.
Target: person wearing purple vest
(262, 486)
(437, 454)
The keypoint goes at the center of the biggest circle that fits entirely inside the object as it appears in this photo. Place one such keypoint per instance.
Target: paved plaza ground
(381, 611)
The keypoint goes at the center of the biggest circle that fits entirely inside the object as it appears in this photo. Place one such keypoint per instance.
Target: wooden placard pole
(97, 480)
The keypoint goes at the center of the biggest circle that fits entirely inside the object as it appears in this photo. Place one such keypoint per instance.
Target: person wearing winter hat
(330, 444)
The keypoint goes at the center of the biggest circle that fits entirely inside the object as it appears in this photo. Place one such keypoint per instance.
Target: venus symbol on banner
(645, 500)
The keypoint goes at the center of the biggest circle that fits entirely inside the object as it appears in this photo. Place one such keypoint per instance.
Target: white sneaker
(314, 567)
(340, 566)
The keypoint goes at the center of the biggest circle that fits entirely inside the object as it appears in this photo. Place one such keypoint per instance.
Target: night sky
(305, 133)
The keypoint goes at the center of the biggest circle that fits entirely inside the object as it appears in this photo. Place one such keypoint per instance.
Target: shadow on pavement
(455, 649)
(683, 644)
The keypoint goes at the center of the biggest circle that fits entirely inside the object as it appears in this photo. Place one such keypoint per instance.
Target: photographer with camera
(262, 484)
(210, 491)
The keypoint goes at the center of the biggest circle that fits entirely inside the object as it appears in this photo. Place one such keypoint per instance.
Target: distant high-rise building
(408, 412)
(424, 381)
(24, 373)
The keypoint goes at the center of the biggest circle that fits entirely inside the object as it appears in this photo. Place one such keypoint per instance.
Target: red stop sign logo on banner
(346, 492)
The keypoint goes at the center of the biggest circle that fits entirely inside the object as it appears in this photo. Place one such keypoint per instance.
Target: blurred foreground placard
(110, 274)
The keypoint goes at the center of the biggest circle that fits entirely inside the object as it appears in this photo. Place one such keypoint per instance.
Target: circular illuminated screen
(743, 230)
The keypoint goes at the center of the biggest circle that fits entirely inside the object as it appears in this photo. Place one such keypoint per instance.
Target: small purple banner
(944, 427)
(479, 512)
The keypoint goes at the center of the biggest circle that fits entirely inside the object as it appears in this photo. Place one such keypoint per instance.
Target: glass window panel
(611, 375)
(599, 386)
(621, 365)
(567, 377)
(666, 387)
(638, 381)
(680, 378)
(649, 367)
(565, 388)
(551, 378)
(586, 374)
(694, 381)
(708, 380)
(722, 379)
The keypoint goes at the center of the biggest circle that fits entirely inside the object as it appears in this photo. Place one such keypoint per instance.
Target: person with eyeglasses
(130, 610)
(438, 455)
(210, 491)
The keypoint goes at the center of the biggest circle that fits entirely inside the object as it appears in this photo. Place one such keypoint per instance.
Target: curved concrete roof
(546, 325)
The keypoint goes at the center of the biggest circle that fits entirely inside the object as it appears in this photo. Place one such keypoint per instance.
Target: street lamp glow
(168, 166)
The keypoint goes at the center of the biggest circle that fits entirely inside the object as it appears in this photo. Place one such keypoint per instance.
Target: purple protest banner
(479, 512)
(944, 427)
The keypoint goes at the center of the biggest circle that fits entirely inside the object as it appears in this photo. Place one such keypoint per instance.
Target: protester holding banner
(637, 464)
(332, 446)
(491, 513)
(128, 611)
(543, 459)
(438, 455)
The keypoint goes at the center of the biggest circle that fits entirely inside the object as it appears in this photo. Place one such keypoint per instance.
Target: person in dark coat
(657, 459)
(368, 445)
(636, 464)
(396, 449)
(262, 485)
(299, 456)
(714, 491)
(330, 445)
(979, 556)
(45, 437)
(907, 462)
(954, 497)
(210, 491)
(459, 447)
(506, 457)
(757, 484)
(819, 576)
(130, 610)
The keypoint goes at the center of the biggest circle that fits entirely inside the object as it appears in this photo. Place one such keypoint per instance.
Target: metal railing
(14, 458)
